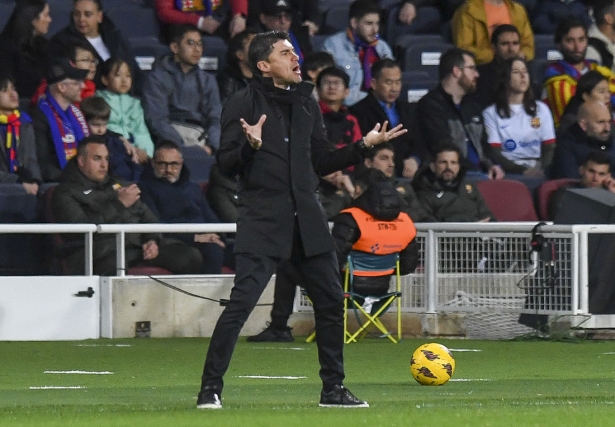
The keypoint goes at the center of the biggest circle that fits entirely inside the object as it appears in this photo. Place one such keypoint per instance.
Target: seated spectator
(357, 48)
(363, 227)
(561, 76)
(275, 15)
(475, 21)
(445, 194)
(592, 86)
(548, 14)
(419, 15)
(313, 64)
(127, 117)
(520, 129)
(381, 104)
(90, 24)
(224, 18)
(82, 55)
(335, 193)
(307, 12)
(88, 195)
(18, 161)
(237, 74)
(448, 116)
(123, 157)
(59, 125)
(601, 35)
(595, 172)
(23, 46)
(592, 132)
(166, 189)
(506, 44)
(181, 100)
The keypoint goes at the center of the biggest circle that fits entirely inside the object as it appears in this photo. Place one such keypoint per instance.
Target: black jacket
(230, 80)
(277, 183)
(222, 195)
(26, 64)
(441, 122)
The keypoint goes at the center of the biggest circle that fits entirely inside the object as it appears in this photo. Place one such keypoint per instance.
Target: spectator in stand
(237, 74)
(23, 46)
(223, 18)
(59, 125)
(595, 172)
(448, 116)
(123, 158)
(602, 35)
(313, 64)
(18, 161)
(475, 22)
(561, 77)
(520, 129)
(506, 44)
(276, 15)
(88, 195)
(127, 116)
(179, 97)
(550, 13)
(166, 189)
(306, 12)
(382, 103)
(357, 48)
(413, 12)
(83, 55)
(592, 86)
(592, 132)
(445, 194)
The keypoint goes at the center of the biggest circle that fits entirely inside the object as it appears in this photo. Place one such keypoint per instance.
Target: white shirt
(521, 136)
(99, 45)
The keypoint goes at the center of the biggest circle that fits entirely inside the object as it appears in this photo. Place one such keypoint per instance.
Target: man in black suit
(273, 137)
(383, 103)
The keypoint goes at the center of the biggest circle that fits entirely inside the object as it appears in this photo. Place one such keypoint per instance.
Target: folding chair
(370, 307)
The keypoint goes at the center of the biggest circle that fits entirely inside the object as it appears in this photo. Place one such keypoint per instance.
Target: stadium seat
(336, 19)
(214, 54)
(428, 22)
(123, 16)
(6, 8)
(508, 200)
(198, 162)
(545, 49)
(325, 5)
(415, 84)
(318, 40)
(544, 193)
(421, 52)
(60, 11)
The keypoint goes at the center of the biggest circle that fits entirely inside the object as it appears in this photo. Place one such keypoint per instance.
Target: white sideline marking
(53, 387)
(79, 372)
(265, 377)
(469, 379)
(103, 345)
(465, 349)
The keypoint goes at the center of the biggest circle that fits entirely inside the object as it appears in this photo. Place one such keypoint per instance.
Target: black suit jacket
(368, 112)
(278, 182)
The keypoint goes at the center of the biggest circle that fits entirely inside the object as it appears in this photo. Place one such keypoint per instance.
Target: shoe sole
(362, 405)
(209, 406)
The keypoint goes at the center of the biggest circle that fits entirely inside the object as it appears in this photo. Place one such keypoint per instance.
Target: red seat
(544, 193)
(508, 200)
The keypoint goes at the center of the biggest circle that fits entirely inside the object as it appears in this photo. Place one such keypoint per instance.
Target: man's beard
(573, 58)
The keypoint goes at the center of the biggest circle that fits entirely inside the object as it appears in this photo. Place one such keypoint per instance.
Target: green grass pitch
(154, 382)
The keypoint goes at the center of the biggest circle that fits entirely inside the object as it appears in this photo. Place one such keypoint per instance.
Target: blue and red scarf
(367, 57)
(67, 127)
(202, 7)
(9, 126)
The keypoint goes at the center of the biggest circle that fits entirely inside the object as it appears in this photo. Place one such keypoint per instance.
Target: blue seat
(133, 19)
(336, 19)
(545, 48)
(198, 162)
(61, 14)
(415, 84)
(424, 56)
(214, 54)
(428, 21)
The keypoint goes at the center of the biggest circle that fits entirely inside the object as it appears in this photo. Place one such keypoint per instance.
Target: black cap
(63, 68)
(273, 7)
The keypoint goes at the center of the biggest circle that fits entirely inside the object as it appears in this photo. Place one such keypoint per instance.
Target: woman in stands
(592, 86)
(89, 23)
(520, 128)
(23, 47)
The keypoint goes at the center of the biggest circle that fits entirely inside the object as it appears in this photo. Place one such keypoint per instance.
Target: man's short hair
(503, 29)
(565, 26)
(178, 31)
(381, 64)
(89, 140)
(597, 157)
(367, 176)
(166, 144)
(445, 148)
(377, 149)
(236, 44)
(603, 8)
(315, 60)
(359, 8)
(262, 46)
(454, 57)
(95, 108)
(334, 72)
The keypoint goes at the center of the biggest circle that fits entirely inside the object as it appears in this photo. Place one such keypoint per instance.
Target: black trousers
(287, 278)
(323, 285)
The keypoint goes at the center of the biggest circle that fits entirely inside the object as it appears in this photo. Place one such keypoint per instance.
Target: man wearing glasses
(59, 125)
(448, 116)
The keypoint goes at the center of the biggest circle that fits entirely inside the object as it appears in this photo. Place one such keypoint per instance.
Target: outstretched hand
(379, 134)
(254, 132)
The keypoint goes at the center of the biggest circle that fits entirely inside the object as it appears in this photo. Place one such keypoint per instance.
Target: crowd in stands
(77, 108)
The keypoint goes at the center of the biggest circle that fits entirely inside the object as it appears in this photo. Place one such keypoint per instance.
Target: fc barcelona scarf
(367, 56)
(10, 125)
(67, 127)
(203, 7)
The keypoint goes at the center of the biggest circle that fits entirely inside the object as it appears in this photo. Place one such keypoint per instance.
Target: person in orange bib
(375, 224)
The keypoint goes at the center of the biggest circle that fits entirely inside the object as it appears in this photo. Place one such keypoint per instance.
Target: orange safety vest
(381, 237)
